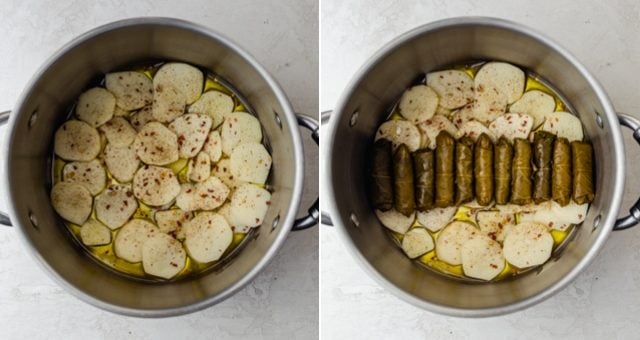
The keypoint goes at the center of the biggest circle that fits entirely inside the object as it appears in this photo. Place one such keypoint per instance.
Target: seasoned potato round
(90, 174)
(72, 201)
(115, 206)
(239, 128)
(76, 141)
(130, 239)
(119, 132)
(163, 256)
(214, 104)
(156, 145)
(94, 233)
(186, 78)
(155, 186)
(96, 106)
(192, 130)
(207, 236)
(249, 205)
(450, 240)
(395, 221)
(168, 103)
(132, 90)
(418, 103)
(122, 162)
(251, 162)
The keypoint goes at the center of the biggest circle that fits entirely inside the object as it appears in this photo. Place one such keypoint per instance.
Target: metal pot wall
(364, 106)
(42, 108)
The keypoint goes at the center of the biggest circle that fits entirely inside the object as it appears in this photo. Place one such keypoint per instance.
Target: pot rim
(285, 223)
(606, 224)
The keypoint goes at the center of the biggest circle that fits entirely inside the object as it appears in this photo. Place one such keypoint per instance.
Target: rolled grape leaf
(483, 170)
(521, 172)
(382, 175)
(445, 152)
(503, 156)
(403, 180)
(542, 157)
(582, 172)
(464, 170)
(424, 170)
(561, 172)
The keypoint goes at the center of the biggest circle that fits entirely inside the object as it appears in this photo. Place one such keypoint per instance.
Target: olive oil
(105, 254)
(465, 213)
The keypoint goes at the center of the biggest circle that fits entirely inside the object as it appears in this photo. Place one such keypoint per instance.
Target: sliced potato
(225, 211)
(495, 224)
(555, 216)
(239, 128)
(512, 126)
(213, 146)
(90, 174)
(536, 104)
(251, 162)
(212, 193)
(482, 258)
(222, 170)
(395, 221)
(192, 130)
(199, 167)
(249, 205)
(436, 218)
(94, 233)
(418, 103)
(120, 112)
(168, 103)
(214, 104)
(488, 104)
(187, 199)
(207, 236)
(450, 240)
(507, 79)
(454, 87)
(119, 132)
(515, 208)
(96, 106)
(130, 239)
(155, 186)
(528, 244)
(141, 117)
(432, 127)
(132, 90)
(417, 242)
(563, 124)
(163, 256)
(473, 130)
(72, 201)
(156, 145)
(115, 206)
(122, 162)
(77, 141)
(172, 221)
(186, 78)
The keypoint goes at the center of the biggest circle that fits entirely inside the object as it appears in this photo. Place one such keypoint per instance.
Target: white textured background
(604, 302)
(283, 300)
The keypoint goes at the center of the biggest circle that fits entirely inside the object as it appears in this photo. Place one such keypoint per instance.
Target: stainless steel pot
(365, 104)
(42, 108)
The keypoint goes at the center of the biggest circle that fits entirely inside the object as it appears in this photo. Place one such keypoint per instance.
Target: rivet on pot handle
(4, 218)
(314, 212)
(325, 218)
(634, 213)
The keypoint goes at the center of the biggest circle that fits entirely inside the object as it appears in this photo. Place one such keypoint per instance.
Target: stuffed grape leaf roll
(403, 180)
(445, 152)
(521, 172)
(582, 153)
(503, 156)
(542, 157)
(382, 175)
(424, 170)
(561, 172)
(483, 169)
(464, 170)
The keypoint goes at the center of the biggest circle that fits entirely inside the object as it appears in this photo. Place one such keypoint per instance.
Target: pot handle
(325, 218)
(314, 212)
(634, 213)
(4, 218)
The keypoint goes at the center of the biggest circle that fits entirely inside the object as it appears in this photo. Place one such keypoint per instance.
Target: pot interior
(44, 108)
(375, 91)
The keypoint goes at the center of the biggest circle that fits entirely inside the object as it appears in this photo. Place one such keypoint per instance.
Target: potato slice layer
(507, 79)
(76, 141)
(239, 128)
(192, 130)
(119, 132)
(207, 236)
(454, 87)
(132, 90)
(417, 242)
(141, 117)
(418, 103)
(474, 129)
(563, 125)
(172, 221)
(94, 233)
(214, 104)
(213, 146)
(251, 162)
(555, 216)
(512, 126)
(163, 256)
(249, 205)
(436, 218)
(207, 195)
(72, 201)
(122, 162)
(495, 224)
(395, 221)
(155, 186)
(528, 244)
(184, 77)
(115, 206)
(222, 170)
(400, 132)
(96, 106)
(432, 127)
(131, 238)
(199, 167)
(90, 174)
(488, 104)
(482, 258)
(168, 103)
(536, 104)
(450, 240)
(157, 145)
